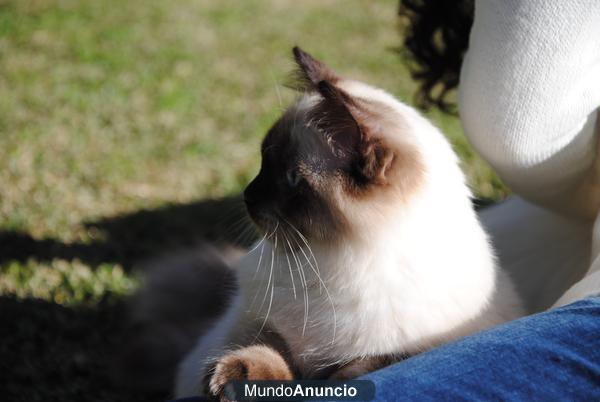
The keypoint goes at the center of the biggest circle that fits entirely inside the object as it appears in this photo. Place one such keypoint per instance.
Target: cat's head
(337, 160)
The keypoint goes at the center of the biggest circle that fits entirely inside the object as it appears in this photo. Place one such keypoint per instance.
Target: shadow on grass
(132, 237)
(53, 352)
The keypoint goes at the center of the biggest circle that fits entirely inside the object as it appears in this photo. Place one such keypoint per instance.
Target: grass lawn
(126, 127)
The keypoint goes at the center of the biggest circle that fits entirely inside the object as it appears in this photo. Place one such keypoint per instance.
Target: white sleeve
(529, 95)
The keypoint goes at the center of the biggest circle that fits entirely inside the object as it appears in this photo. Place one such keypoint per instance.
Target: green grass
(118, 117)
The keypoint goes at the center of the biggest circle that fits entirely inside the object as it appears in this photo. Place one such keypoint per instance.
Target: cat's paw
(256, 362)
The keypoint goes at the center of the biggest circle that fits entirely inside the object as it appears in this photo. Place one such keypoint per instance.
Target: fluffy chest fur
(392, 295)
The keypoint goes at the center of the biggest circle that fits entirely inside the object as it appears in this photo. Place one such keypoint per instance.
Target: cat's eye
(293, 178)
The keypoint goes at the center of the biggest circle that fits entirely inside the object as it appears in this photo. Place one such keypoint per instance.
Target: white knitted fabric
(529, 100)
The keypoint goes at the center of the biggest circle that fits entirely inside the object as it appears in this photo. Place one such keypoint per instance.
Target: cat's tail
(181, 296)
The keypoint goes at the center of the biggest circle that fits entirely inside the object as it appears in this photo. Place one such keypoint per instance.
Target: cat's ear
(332, 117)
(331, 114)
(311, 71)
(345, 123)
(343, 120)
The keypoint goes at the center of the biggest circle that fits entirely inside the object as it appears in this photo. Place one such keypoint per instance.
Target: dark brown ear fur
(343, 121)
(333, 118)
(378, 159)
(312, 71)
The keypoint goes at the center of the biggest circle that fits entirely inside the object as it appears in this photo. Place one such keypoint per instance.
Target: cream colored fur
(421, 272)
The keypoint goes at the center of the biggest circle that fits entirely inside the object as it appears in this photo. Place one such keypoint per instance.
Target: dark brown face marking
(320, 149)
(288, 191)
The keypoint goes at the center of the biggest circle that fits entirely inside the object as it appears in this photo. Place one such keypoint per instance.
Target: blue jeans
(548, 356)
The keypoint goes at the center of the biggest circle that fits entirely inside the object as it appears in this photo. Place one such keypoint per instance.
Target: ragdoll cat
(371, 251)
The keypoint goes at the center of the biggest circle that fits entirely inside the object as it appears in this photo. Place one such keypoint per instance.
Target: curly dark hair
(436, 38)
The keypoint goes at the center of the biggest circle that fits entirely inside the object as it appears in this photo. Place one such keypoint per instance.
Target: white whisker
(258, 244)
(321, 283)
(287, 257)
(256, 273)
(270, 269)
(305, 241)
(262, 249)
(271, 283)
(304, 287)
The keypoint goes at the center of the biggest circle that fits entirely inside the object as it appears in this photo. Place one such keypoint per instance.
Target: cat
(371, 249)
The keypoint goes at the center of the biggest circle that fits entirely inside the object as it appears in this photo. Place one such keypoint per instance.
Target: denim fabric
(551, 356)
